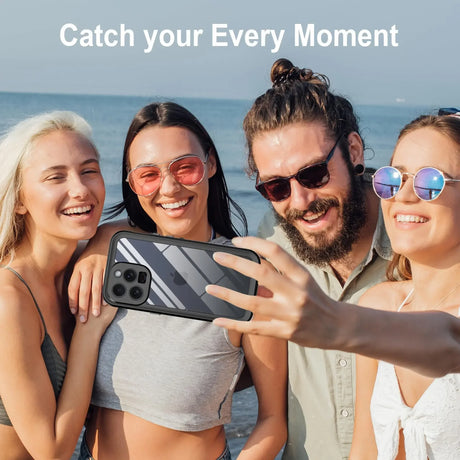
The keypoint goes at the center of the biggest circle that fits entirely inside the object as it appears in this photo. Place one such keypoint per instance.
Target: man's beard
(353, 215)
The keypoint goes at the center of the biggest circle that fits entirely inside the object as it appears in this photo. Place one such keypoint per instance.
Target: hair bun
(284, 71)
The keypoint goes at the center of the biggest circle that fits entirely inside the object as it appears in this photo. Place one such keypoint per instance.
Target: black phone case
(168, 275)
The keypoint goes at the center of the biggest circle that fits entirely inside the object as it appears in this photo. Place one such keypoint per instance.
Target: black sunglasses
(313, 176)
(448, 111)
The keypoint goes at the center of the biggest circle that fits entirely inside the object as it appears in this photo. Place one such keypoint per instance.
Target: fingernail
(73, 310)
(82, 318)
(210, 288)
(219, 256)
(237, 240)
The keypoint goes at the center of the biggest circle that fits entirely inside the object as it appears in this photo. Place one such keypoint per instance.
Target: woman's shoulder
(387, 295)
(17, 307)
(11, 285)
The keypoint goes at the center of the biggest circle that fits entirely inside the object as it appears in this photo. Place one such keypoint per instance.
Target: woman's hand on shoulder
(86, 281)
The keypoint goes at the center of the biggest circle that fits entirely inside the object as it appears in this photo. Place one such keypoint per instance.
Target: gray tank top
(175, 372)
(55, 365)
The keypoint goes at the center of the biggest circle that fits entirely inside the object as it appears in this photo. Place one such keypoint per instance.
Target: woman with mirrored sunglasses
(164, 384)
(414, 416)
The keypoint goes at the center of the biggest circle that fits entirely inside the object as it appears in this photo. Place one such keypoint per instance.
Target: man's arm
(427, 342)
(298, 310)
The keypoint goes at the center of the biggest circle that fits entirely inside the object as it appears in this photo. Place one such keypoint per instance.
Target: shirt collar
(380, 242)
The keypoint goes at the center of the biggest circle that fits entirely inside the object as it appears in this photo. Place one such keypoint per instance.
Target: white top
(431, 428)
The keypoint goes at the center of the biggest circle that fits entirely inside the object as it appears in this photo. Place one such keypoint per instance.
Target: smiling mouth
(78, 210)
(176, 205)
(315, 217)
(409, 218)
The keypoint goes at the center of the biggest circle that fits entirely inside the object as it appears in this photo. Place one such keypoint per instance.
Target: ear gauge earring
(359, 169)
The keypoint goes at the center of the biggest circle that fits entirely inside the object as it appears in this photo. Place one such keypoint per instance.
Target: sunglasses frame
(449, 111)
(446, 180)
(260, 186)
(147, 165)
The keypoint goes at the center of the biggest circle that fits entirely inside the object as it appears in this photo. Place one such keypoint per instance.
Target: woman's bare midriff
(113, 435)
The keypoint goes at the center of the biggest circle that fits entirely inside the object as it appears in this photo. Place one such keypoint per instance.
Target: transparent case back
(169, 275)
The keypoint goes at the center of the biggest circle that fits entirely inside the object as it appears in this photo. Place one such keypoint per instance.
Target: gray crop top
(175, 372)
(55, 365)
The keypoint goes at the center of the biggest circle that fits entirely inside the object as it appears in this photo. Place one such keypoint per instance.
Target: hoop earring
(359, 169)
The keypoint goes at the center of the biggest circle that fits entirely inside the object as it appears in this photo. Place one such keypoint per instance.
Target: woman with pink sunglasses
(164, 384)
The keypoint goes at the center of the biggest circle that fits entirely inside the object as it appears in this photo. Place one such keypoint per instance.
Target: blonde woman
(52, 195)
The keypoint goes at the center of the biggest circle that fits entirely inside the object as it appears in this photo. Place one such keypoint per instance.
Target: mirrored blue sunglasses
(428, 183)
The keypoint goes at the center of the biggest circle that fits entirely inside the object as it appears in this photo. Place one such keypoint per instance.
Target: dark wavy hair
(299, 95)
(220, 205)
(448, 125)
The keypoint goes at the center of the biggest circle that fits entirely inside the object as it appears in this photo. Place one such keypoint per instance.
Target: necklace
(446, 296)
(430, 308)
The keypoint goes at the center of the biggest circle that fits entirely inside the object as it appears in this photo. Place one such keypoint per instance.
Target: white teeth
(77, 210)
(176, 205)
(314, 216)
(409, 218)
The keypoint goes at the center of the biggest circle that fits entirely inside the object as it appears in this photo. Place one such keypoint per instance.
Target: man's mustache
(316, 207)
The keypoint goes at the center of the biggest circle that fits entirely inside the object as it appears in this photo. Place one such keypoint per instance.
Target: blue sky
(422, 70)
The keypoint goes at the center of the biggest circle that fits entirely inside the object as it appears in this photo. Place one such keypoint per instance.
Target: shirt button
(342, 362)
(344, 413)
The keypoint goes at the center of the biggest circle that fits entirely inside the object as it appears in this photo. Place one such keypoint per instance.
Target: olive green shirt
(321, 393)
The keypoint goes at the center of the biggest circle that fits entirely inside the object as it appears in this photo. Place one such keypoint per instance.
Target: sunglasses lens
(275, 190)
(386, 182)
(310, 177)
(428, 183)
(145, 180)
(313, 176)
(188, 170)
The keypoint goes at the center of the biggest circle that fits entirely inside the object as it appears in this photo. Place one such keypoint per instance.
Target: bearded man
(307, 155)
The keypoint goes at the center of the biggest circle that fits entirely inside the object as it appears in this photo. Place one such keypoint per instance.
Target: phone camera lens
(142, 277)
(118, 290)
(130, 275)
(135, 292)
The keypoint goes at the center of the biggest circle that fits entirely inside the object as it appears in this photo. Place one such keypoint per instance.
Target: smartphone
(169, 275)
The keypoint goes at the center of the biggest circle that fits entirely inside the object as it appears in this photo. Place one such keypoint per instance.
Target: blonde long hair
(15, 147)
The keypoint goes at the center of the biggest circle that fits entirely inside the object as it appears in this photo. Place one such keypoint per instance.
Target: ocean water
(110, 117)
